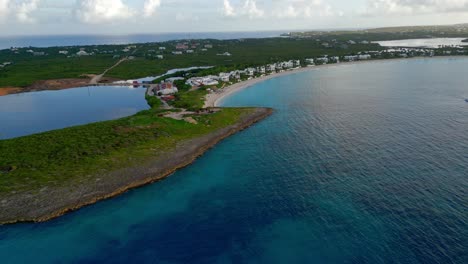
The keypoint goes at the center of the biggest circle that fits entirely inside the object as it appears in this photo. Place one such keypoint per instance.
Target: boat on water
(466, 100)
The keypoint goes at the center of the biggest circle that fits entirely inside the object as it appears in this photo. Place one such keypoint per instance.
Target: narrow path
(96, 79)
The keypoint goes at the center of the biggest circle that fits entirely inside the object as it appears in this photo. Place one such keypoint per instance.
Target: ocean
(82, 40)
(363, 163)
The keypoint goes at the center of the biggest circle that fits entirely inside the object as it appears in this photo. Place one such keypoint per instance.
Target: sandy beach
(213, 99)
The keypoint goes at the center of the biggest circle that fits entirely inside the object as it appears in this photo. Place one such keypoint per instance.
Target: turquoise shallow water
(359, 164)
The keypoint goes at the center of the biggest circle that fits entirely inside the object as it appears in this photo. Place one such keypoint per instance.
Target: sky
(120, 17)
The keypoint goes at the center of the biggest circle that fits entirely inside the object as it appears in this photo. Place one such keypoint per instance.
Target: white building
(82, 53)
(310, 62)
(224, 77)
(250, 71)
(189, 51)
(64, 52)
(364, 57)
(351, 58)
(160, 57)
(162, 48)
(168, 91)
(177, 52)
(323, 60)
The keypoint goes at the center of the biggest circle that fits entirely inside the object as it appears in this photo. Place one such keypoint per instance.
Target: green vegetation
(153, 101)
(26, 68)
(191, 100)
(74, 155)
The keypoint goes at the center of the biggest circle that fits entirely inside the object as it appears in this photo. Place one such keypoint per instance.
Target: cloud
(413, 7)
(228, 9)
(150, 7)
(303, 9)
(250, 8)
(24, 10)
(4, 9)
(246, 9)
(98, 11)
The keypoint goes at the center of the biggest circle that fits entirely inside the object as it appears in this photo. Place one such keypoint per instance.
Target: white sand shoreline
(214, 99)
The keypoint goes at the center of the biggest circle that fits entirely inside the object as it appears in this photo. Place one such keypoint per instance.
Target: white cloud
(250, 8)
(228, 9)
(24, 10)
(411, 7)
(97, 11)
(4, 9)
(150, 7)
(303, 9)
(246, 9)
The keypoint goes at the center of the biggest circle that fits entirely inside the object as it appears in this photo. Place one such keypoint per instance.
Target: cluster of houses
(187, 48)
(165, 88)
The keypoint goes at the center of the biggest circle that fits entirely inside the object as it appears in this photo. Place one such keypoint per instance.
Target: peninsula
(46, 175)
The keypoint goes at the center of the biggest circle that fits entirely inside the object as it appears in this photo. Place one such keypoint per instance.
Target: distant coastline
(87, 40)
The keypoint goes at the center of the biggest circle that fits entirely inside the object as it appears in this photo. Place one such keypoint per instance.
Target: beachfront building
(271, 67)
(322, 60)
(335, 59)
(297, 63)
(310, 62)
(351, 58)
(250, 71)
(203, 81)
(364, 57)
(224, 77)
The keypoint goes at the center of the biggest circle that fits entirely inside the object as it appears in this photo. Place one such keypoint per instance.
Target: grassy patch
(192, 100)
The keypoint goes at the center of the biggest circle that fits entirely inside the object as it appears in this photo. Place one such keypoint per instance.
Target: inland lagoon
(363, 163)
(29, 113)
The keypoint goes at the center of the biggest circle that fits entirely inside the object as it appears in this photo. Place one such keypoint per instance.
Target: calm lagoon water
(360, 163)
(30, 113)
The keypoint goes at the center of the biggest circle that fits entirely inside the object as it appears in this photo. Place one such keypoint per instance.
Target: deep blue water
(359, 164)
(30, 113)
(79, 40)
